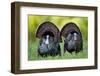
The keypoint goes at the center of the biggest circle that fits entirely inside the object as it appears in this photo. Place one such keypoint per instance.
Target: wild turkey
(49, 40)
(72, 38)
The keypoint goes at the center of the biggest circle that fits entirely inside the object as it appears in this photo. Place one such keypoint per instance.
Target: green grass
(33, 54)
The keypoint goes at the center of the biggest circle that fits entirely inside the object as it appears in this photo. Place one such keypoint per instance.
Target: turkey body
(72, 43)
(48, 46)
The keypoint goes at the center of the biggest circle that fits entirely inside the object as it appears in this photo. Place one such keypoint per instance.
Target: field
(32, 53)
(33, 23)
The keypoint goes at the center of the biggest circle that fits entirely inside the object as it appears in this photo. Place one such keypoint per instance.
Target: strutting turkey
(72, 38)
(49, 40)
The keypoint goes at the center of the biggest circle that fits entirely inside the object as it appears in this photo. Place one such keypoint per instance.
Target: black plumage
(72, 38)
(72, 42)
(51, 48)
(49, 36)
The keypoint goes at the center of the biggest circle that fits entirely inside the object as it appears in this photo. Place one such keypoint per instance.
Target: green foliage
(35, 20)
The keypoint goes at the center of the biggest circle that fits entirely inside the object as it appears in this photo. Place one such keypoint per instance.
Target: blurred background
(34, 22)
